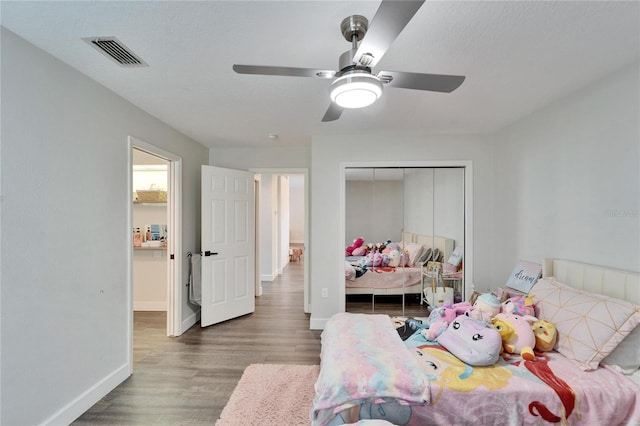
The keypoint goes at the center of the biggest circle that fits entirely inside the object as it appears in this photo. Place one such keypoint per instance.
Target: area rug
(271, 394)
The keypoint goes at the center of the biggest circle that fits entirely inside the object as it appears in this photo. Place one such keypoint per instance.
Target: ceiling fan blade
(417, 81)
(389, 21)
(284, 71)
(333, 113)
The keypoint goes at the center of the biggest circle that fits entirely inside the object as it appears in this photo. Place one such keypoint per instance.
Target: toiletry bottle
(137, 238)
(148, 234)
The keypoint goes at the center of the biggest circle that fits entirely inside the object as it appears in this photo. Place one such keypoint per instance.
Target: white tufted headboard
(445, 245)
(616, 283)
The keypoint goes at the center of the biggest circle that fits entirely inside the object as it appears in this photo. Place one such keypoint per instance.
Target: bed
(590, 377)
(402, 280)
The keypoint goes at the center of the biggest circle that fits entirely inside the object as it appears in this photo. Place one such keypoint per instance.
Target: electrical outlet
(325, 292)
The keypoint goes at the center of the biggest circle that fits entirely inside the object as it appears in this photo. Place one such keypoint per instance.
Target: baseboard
(190, 321)
(149, 306)
(67, 414)
(317, 323)
(266, 277)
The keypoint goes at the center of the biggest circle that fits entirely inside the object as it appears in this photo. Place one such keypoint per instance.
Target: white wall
(283, 222)
(65, 300)
(149, 265)
(567, 183)
(296, 209)
(268, 227)
(373, 211)
(434, 199)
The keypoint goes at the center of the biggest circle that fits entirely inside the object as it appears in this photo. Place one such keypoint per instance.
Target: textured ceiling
(517, 57)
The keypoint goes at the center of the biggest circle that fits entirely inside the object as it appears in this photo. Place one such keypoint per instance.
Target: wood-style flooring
(188, 380)
(390, 305)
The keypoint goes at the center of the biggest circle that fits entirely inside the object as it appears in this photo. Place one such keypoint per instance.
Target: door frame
(467, 165)
(307, 247)
(174, 231)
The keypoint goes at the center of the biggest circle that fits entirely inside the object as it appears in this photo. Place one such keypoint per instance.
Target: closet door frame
(467, 165)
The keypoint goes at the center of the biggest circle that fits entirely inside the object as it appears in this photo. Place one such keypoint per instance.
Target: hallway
(189, 379)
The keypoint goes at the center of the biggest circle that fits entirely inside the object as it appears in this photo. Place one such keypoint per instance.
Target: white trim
(174, 286)
(468, 213)
(174, 229)
(149, 306)
(266, 277)
(70, 412)
(317, 323)
(190, 321)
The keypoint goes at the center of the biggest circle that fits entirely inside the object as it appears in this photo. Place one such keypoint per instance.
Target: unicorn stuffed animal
(440, 318)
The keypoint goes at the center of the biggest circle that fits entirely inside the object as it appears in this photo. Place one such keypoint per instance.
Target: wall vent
(117, 51)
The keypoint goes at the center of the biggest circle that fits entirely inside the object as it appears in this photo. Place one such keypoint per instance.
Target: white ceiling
(517, 56)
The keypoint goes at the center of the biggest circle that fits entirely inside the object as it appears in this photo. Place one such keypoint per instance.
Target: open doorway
(155, 212)
(283, 217)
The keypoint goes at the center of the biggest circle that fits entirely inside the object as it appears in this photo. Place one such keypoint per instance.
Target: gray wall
(567, 184)
(65, 305)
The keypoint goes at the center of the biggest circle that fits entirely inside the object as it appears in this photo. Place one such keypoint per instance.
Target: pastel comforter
(548, 390)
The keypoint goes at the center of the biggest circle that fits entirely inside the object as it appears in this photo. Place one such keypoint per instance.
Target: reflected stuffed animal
(394, 258)
(356, 243)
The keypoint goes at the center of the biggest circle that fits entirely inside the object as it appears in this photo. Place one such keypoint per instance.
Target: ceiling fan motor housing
(354, 25)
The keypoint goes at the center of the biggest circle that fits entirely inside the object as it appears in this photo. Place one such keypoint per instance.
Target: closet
(413, 207)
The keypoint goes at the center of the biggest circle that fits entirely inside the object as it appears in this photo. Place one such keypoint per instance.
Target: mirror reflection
(404, 242)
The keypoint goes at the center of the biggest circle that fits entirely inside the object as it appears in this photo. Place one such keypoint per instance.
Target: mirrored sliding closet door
(397, 221)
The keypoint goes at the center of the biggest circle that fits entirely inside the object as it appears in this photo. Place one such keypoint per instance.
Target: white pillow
(414, 250)
(590, 326)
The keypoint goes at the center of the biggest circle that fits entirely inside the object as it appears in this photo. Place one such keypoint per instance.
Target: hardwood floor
(390, 305)
(188, 380)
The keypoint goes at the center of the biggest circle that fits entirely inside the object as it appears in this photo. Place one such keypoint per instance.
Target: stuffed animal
(545, 334)
(404, 258)
(519, 305)
(473, 342)
(391, 247)
(394, 258)
(356, 243)
(373, 259)
(440, 318)
(517, 335)
(486, 306)
(359, 251)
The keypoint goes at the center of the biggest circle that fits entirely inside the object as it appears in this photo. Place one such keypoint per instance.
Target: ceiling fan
(354, 85)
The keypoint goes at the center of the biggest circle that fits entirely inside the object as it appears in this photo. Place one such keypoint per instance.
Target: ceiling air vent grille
(116, 50)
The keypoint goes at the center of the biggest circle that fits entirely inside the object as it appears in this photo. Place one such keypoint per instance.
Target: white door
(228, 244)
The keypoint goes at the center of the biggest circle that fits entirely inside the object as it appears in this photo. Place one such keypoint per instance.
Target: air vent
(116, 50)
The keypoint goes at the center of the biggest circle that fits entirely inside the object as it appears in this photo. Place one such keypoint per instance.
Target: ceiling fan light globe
(356, 91)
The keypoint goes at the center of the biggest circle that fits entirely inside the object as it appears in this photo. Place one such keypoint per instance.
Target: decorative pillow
(590, 326)
(414, 250)
(425, 257)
